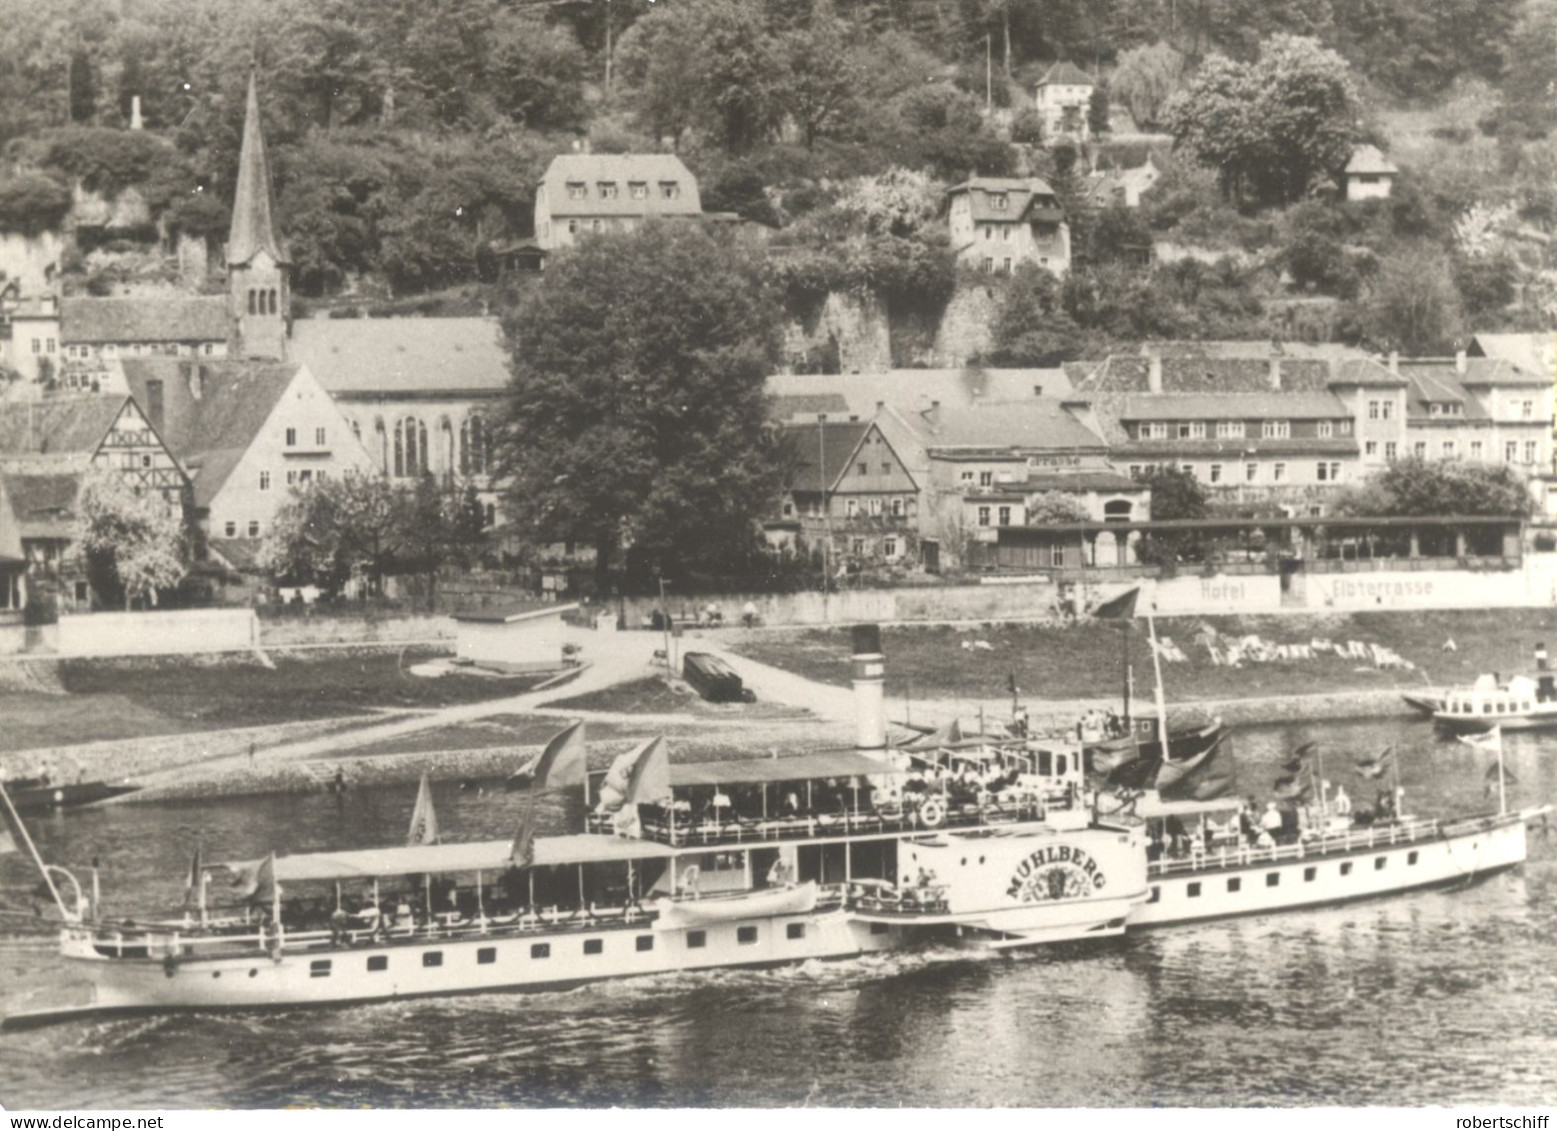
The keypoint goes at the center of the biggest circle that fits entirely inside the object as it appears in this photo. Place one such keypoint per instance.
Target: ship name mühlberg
(1076, 865)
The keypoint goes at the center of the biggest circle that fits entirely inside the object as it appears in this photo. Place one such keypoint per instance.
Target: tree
(83, 87)
(330, 529)
(439, 527)
(133, 539)
(31, 202)
(821, 83)
(538, 72)
(1418, 488)
(636, 413)
(1270, 127)
(1032, 327)
(1176, 496)
(1054, 508)
(1529, 88)
(1412, 304)
(1097, 110)
(1145, 79)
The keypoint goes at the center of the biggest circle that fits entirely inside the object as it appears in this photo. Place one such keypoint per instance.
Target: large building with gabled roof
(591, 193)
(996, 224)
(1061, 99)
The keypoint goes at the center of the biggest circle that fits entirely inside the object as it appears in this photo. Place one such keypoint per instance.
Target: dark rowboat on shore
(34, 795)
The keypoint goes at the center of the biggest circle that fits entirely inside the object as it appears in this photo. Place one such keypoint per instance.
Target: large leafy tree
(1145, 79)
(1411, 304)
(1417, 488)
(1272, 126)
(133, 541)
(636, 411)
(1032, 326)
(330, 529)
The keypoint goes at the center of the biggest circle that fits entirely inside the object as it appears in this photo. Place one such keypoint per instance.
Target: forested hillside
(407, 136)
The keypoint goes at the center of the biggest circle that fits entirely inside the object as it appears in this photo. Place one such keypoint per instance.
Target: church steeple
(252, 228)
(258, 290)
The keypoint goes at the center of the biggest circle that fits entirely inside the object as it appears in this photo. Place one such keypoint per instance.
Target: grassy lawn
(657, 695)
(489, 733)
(1084, 661)
(130, 698)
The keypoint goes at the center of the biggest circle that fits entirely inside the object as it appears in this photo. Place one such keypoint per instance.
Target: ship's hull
(427, 966)
(1543, 717)
(1257, 881)
(31, 800)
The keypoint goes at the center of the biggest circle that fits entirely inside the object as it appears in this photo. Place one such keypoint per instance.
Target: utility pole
(827, 525)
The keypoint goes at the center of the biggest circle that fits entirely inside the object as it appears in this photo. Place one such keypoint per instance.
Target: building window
(857, 546)
(264, 481)
(319, 437)
(1215, 473)
(254, 528)
(1530, 451)
(1510, 451)
(1335, 472)
(577, 190)
(1154, 430)
(1326, 429)
(746, 936)
(1229, 429)
(1323, 469)
(473, 446)
(1251, 472)
(1390, 448)
(863, 468)
(231, 529)
(291, 479)
(1420, 449)
(1386, 409)
(670, 190)
(998, 201)
(1371, 448)
(983, 516)
(1135, 471)
(1526, 408)
(897, 508)
(986, 478)
(851, 507)
(1004, 516)
(410, 448)
(253, 301)
(1373, 410)
(1278, 472)
(638, 190)
(1276, 429)
(291, 437)
(1448, 449)
(875, 507)
(607, 190)
(572, 227)
(1476, 447)
(989, 266)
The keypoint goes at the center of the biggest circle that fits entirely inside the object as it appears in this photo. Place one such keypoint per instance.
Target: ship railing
(882, 898)
(1230, 855)
(711, 830)
(193, 942)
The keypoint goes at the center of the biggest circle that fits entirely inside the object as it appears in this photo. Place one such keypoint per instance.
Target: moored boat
(37, 795)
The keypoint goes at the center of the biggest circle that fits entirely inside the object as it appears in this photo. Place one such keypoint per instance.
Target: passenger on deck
(1270, 823)
(1343, 802)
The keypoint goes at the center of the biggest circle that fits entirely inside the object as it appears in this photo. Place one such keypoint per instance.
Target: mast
(14, 820)
(1129, 678)
(1162, 706)
(1502, 783)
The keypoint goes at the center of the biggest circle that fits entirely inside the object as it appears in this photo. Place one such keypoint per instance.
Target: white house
(584, 193)
(998, 223)
(1369, 175)
(1061, 99)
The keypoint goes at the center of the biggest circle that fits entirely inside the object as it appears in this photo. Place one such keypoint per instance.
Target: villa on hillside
(999, 223)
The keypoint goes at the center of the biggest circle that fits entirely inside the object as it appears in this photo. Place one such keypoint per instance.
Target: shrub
(32, 203)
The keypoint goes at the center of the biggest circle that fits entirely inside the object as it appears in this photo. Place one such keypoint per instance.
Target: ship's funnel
(870, 688)
(1540, 657)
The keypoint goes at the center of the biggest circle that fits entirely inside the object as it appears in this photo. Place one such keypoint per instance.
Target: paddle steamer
(749, 863)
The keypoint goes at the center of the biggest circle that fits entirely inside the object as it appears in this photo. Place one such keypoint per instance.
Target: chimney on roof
(1154, 373)
(1394, 362)
(135, 113)
(1459, 361)
(1275, 373)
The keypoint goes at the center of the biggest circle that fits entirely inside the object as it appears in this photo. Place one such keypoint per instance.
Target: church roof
(253, 229)
(402, 356)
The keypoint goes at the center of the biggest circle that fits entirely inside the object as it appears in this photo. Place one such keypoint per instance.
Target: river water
(1436, 998)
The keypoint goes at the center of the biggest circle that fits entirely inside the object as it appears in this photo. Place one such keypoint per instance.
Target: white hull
(1362, 867)
(471, 964)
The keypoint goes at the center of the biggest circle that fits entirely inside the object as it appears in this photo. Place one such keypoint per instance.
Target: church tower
(258, 295)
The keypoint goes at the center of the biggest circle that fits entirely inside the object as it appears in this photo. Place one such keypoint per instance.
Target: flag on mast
(1121, 607)
(560, 765)
(644, 776)
(424, 819)
(1204, 777)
